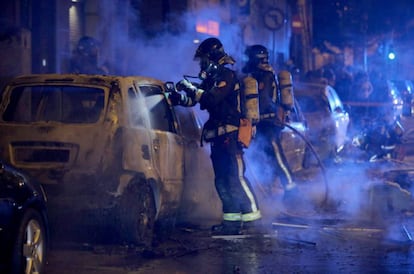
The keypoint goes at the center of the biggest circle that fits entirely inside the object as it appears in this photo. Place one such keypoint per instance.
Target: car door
(167, 144)
(292, 138)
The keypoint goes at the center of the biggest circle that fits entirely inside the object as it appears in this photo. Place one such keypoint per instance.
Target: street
(306, 240)
(289, 251)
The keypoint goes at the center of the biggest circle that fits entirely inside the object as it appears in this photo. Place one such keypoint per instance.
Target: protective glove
(186, 86)
(176, 98)
(192, 91)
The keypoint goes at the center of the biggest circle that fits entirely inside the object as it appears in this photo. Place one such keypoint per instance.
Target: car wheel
(137, 213)
(30, 245)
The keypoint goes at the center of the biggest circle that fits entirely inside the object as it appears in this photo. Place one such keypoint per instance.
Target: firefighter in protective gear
(275, 102)
(85, 57)
(381, 138)
(218, 93)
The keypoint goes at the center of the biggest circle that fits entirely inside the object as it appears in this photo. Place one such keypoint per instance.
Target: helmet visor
(204, 63)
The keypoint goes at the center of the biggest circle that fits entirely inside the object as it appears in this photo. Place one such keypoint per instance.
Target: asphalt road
(341, 224)
(288, 250)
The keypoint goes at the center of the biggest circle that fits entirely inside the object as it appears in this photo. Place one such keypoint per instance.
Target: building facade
(40, 36)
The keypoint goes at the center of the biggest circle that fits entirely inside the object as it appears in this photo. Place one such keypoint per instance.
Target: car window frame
(164, 119)
(61, 98)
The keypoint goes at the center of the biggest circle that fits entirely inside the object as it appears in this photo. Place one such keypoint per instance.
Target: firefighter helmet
(87, 46)
(209, 53)
(211, 48)
(257, 54)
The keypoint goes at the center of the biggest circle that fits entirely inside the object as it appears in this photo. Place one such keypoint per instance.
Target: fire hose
(311, 148)
(320, 164)
(325, 200)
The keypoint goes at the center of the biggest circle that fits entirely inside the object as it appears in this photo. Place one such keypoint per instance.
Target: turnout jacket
(221, 98)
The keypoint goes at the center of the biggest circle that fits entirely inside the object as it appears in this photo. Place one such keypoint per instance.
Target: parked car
(24, 233)
(326, 117)
(107, 150)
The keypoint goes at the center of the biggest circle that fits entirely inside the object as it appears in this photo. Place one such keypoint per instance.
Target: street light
(391, 55)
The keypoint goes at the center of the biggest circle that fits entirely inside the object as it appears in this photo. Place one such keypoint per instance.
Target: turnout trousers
(270, 136)
(235, 191)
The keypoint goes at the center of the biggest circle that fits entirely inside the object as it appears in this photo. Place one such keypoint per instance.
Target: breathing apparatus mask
(256, 57)
(208, 68)
(211, 56)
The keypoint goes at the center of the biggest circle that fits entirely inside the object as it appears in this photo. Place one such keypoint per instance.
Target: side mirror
(169, 86)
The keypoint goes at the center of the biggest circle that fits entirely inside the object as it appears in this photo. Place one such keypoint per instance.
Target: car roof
(104, 80)
(310, 88)
(323, 91)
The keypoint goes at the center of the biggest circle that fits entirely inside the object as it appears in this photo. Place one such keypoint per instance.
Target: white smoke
(169, 56)
(165, 56)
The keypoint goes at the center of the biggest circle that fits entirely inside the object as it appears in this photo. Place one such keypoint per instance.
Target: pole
(274, 48)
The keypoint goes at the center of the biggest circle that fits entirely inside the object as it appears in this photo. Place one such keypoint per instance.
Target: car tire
(29, 250)
(137, 212)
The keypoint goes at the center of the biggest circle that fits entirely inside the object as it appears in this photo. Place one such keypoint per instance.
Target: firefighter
(85, 57)
(381, 138)
(275, 102)
(219, 94)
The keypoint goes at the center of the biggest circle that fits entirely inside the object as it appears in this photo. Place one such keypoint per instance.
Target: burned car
(105, 148)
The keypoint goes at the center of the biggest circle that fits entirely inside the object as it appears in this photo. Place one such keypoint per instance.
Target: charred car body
(104, 146)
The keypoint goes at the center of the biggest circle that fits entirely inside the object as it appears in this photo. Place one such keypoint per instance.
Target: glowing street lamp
(391, 55)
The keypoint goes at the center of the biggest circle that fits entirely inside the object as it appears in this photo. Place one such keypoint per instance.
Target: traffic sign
(274, 19)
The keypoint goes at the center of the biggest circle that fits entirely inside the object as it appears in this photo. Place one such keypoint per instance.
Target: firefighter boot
(227, 228)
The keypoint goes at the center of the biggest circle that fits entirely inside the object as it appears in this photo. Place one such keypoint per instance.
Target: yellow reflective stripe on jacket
(267, 115)
(232, 217)
(252, 216)
(212, 133)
